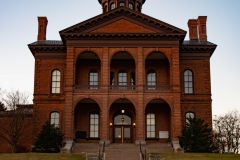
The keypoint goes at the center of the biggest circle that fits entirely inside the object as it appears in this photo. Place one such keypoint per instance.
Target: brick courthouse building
(122, 76)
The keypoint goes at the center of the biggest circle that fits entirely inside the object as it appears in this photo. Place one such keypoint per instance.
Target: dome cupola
(108, 5)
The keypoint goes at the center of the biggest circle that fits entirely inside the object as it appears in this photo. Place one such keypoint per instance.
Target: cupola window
(112, 6)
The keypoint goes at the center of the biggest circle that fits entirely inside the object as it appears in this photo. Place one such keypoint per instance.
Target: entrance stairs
(127, 151)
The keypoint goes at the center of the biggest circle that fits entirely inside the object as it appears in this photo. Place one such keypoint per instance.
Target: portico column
(176, 108)
(69, 82)
(140, 69)
(105, 70)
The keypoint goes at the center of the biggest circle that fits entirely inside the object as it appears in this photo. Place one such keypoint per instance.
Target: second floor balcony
(122, 88)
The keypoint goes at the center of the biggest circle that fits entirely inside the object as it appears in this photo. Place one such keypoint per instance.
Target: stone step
(121, 151)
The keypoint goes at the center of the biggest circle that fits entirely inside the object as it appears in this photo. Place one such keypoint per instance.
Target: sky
(19, 27)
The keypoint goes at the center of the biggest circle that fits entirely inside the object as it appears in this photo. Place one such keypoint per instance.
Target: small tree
(49, 140)
(227, 132)
(15, 123)
(196, 137)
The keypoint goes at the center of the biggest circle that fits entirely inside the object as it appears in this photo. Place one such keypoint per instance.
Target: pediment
(122, 20)
(122, 26)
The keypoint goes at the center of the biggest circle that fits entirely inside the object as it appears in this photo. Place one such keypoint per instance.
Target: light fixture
(111, 124)
(134, 124)
(122, 119)
(123, 111)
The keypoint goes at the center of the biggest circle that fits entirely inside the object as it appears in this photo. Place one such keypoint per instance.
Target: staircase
(127, 151)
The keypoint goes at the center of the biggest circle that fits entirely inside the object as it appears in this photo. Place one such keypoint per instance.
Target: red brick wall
(26, 138)
(200, 101)
(43, 74)
(167, 72)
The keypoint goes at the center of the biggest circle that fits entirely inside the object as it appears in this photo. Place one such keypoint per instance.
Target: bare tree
(226, 132)
(16, 121)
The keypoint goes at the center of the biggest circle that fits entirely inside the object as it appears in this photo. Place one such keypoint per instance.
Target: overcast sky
(18, 27)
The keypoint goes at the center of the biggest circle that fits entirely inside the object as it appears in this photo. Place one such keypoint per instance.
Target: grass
(199, 156)
(165, 156)
(42, 156)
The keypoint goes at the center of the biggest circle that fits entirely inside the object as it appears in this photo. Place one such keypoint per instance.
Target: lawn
(42, 156)
(198, 156)
(165, 156)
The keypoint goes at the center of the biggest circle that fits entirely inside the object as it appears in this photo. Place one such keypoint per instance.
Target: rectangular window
(94, 125)
(150, 125)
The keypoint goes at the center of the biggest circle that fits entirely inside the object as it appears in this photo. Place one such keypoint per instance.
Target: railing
(122, 88)
(162, 88)
(102, 156)
(143, 156)
(87, 87)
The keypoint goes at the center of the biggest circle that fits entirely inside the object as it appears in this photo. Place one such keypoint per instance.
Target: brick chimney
(193, 29)
(42, 28)
(202, 29)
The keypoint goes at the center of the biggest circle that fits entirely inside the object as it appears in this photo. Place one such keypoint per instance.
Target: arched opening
(112, 6)
(157, 71)
(87, 121)
(122, 72)
(122, 120)
(121, 4)
(157, 121)
(88, 65)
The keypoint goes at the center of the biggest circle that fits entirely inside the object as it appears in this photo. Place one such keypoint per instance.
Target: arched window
(93, 79)
(130, 5)
(55, 119)
(150, 125)
(56, 79)
(151, 79)
(188, 82)
(121, 4)
(94, 125)
(122, 79)
(189, 115)
(112, 6)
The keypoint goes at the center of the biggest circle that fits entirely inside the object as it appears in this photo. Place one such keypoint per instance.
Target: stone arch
(163, 51)
(154, 98)
(111, 54)
(78, 53)
(118, 98)
(75, 103)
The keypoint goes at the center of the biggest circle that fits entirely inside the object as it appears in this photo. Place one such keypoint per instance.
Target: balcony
(161, 88)
(122, 88)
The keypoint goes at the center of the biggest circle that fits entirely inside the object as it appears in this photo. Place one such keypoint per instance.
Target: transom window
(112, 6)
(56, 77)
(94, 125)
(122, 120)
(121, 4)
(150, 121)
(130, 5)
(188, 82)
(55, 119)
(189, 115)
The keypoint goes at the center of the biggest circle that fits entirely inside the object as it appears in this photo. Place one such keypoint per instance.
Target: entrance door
(122, 134)
(122, 130)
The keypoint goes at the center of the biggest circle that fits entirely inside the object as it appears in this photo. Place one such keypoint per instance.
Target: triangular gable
(122, 20)
(122, 26)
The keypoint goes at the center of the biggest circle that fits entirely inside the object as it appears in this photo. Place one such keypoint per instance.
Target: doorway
(122, 130)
